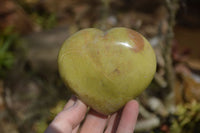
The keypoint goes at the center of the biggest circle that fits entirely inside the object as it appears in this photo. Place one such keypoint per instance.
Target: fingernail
(71, 102)
(73, 97)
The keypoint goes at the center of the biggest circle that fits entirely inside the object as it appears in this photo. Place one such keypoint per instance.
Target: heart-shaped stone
(106, 70)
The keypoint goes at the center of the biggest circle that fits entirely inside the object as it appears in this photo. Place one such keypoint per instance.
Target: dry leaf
(14, 16)
(191, 89)
(194, 64)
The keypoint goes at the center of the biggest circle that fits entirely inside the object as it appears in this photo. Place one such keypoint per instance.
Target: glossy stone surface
(105, 70)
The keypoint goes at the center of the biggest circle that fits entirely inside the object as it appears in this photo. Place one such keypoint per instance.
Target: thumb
(71, 116)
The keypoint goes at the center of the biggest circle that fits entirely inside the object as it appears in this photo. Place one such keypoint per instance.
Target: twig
(172, 9)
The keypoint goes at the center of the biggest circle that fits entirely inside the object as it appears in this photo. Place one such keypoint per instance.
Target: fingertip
(133, 104)
(70, 102)
(71, 116)
(128, 117)
(131, 108)
(76, 113)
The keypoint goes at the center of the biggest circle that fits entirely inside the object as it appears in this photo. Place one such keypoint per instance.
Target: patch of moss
(187, 118)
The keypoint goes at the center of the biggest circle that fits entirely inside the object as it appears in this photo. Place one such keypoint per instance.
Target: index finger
(128, 117)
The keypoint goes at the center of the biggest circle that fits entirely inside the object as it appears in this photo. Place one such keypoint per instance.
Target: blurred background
(32, 31)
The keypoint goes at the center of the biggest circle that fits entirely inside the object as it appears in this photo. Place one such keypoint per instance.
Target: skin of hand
(74, 112)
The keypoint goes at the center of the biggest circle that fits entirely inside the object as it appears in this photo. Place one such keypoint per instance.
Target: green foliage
(188, 118)
(45, 21)
(58, 108)
(41, 125)
(7, 40)
(43, 18)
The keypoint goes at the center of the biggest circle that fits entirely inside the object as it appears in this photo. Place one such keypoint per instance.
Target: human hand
(69, 120)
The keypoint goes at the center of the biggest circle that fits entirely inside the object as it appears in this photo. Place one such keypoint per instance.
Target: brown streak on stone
(137, 39)
(117, 71)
